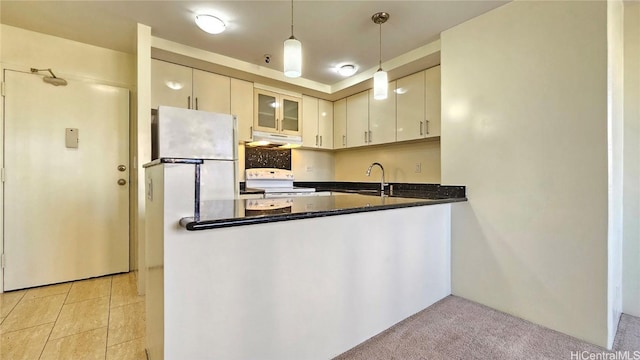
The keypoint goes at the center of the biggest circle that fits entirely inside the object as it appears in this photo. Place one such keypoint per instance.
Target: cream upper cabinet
(410, 95)
(211, 92)
(432, 100)
(358, 119)
(317, 123)
(242, 107)
(325, 124)
(277, 113)
(181, 86)
(340, 124)
(418, 100)
(170, 84)
(382, 117)
(309, 121)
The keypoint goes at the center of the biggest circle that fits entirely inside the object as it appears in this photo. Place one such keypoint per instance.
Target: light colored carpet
(455, 328)
(628, 336)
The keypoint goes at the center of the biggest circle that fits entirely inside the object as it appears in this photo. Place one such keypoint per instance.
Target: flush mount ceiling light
(347, 70)
(210, 24)
(380, 79)
(292, 54)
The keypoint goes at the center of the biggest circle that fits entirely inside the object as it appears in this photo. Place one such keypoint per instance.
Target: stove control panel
(269, 173)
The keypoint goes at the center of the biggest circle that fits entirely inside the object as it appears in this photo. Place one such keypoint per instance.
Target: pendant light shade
(380, 78)
(292, 57)
(380, 85)
(292, 54)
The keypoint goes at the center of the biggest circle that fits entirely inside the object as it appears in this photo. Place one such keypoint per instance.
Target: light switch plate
(71, 138)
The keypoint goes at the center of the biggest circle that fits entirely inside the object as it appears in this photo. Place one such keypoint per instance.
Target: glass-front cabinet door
(290, 121)
(266, 110)
(277, 113)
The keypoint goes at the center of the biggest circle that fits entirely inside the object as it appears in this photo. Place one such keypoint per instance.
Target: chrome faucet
(382, 184)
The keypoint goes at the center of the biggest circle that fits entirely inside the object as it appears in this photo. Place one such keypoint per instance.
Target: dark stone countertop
(409, 190)
(225, 213)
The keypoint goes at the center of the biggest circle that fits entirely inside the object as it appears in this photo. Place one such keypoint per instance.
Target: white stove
(275, 182)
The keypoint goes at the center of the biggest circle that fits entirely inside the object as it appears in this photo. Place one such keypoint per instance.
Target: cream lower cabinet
(317, 123)
(181, 86)
(242, 107)
(418, 105)
(340, 124)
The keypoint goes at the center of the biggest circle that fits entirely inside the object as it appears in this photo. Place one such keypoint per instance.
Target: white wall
(524, 109)
(1, 157)
(631, 204)
(615, 124)
(143, 141)
(399, 161)
(313, 165)
(22, 49)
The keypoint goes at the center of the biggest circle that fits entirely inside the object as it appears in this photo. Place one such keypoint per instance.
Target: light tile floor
(100, 318)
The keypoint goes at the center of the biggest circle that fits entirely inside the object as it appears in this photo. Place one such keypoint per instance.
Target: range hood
(261, 138)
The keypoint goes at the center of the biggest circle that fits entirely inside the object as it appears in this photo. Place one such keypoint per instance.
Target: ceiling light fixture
(292, 54)
(380, 79)
(347, 70)
(210, 24)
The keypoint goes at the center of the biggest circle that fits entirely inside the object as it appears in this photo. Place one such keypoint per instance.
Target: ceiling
(331, 32)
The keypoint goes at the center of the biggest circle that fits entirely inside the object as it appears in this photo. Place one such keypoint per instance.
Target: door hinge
(3, 89)
(2, 261)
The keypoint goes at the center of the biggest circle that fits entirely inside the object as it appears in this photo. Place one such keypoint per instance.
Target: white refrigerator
(185, 144)
(191, 134)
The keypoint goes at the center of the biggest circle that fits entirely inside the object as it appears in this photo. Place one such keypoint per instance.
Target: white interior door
(66, 216)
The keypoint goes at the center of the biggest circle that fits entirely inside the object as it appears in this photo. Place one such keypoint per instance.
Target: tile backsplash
(260, 157)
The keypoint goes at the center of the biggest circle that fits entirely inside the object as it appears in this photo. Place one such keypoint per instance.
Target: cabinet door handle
(369, 135)
(427, 127)
(196, 103)
(421, 123)
(251, 132)
(320, 140)
(365, 137)
(188, 102)
(276, 123)
(344, 140)
(316, 140)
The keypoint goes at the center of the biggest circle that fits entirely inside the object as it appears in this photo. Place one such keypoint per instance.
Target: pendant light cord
(380, 57)
(292, 20)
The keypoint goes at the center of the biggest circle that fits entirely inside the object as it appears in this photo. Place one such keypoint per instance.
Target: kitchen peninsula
(308, 282)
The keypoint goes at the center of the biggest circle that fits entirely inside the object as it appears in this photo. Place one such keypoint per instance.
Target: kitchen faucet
(382, 184)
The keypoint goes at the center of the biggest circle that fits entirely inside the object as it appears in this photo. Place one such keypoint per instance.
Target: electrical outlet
(418, 168)
(309, 168)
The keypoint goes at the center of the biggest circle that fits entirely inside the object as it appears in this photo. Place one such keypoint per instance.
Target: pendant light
(292, 54)
(380, 79)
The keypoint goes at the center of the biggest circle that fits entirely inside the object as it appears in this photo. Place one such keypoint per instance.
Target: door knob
(122, 182)
(122, 168)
